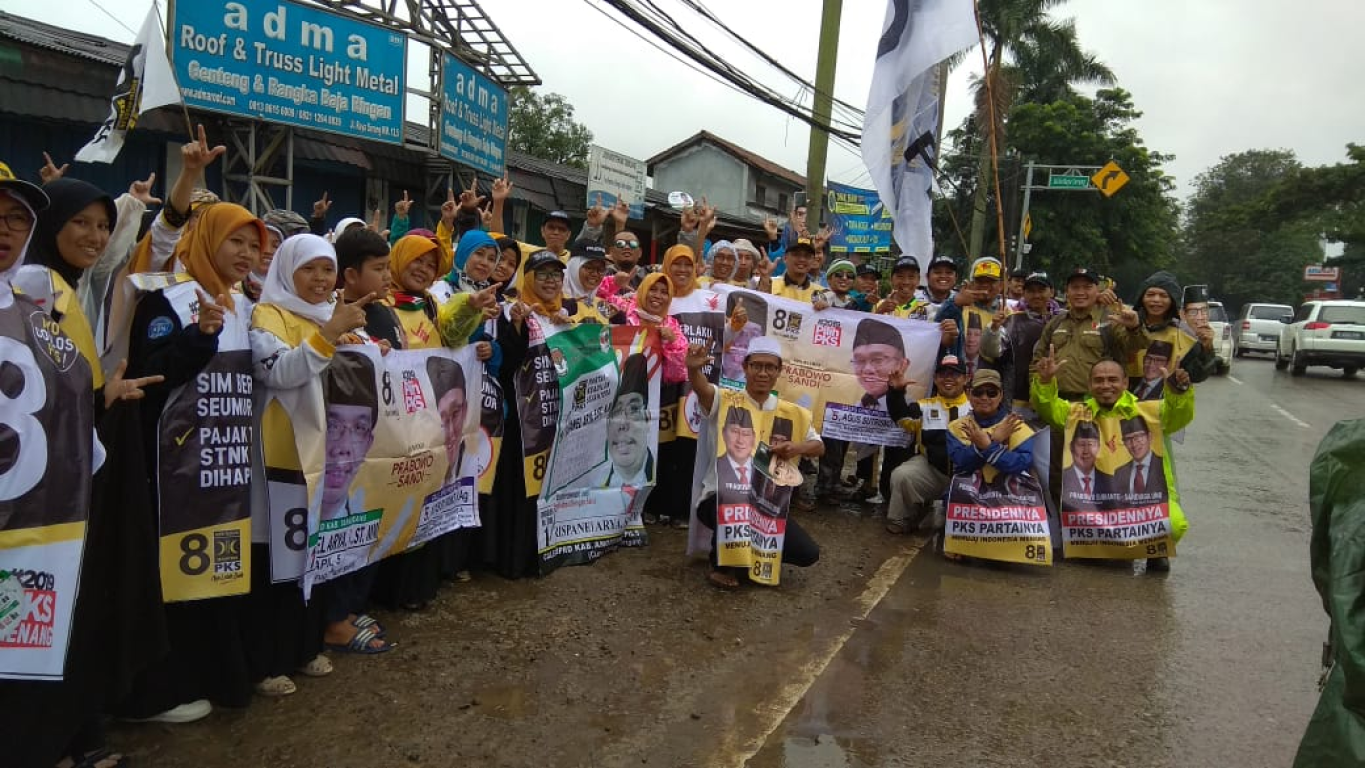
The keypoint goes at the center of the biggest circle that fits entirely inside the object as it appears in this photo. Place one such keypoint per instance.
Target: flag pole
(166, 36)
(995, 150)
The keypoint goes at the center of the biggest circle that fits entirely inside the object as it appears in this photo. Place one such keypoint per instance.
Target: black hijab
(69, 197)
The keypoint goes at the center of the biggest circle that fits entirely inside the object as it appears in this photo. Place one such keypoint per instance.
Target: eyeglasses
(633, 411)
(549, 276)
(1197, 311)
(596, 267)
(841, 276)
(986, 392)
(627, 243)
(18, 221)
(873, 361)
(342, 430)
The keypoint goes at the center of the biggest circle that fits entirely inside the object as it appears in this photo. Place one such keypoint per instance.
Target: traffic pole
(1023, 217)
(818, 153)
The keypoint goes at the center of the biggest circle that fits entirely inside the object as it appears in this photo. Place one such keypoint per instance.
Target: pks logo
(828, 333)
(413, 399)
(227, 554)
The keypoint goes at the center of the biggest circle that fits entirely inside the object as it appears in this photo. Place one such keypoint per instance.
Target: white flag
(145, 83)
(902, 110)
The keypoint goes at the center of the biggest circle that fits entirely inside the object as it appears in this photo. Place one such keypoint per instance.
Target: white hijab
(279, 281)
(344, 225)
(7, 276)
(573, 287)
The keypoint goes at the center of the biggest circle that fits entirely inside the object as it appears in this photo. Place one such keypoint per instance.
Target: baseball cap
(1038, 278)
(906, 262)
(764, 346)
(943, 260)
(32, 194)
(588, 249)
(987, 266)
(1019, 273)
(558, 216)
(868, 269)
(950, 363)
(541, 259)
(985, 376)
(1088, 274)
(804, 245)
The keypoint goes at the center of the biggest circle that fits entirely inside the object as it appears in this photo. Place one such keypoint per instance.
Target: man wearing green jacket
(1109, 397)
(1336, 496)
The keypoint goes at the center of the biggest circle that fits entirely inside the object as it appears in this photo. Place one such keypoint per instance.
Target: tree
(543, 126)
(1243, 254)
(1030, 57)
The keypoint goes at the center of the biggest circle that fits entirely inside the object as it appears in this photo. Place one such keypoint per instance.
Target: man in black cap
(1009, 341)
(1157, 359)
(1145, 474)
(867, 280)
(798, 282)
(1085, 334)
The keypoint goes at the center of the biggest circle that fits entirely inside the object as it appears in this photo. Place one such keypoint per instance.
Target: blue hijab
(470, 242)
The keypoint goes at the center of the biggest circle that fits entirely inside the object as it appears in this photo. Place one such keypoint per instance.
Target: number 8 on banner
(23, 392)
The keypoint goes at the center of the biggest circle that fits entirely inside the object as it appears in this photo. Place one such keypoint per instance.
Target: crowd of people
(211, 278)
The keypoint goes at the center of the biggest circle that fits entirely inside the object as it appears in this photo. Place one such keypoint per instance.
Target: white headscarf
(7, 276)
(573, 287)
(342, 226)
(279, 281)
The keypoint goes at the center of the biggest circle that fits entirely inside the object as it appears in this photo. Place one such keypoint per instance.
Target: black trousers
(798, 548)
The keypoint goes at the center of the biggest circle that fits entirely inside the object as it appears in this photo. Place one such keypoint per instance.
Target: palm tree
(1029, 58)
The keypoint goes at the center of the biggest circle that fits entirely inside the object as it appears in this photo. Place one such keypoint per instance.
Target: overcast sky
(1213, 77)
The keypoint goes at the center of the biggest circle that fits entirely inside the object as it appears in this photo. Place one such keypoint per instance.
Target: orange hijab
(645, 285)
(216, 224)
(526, 282)
(410, 248)
(672, 255)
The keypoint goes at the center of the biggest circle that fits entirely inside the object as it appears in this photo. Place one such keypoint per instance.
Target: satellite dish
(679, 200)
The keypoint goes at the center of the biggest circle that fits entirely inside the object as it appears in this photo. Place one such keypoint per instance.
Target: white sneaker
(878, 499)
(185, 713)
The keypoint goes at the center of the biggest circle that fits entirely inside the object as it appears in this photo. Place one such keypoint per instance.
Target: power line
(116, 19)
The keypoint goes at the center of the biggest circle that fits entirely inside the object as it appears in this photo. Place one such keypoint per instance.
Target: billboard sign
(473, 118)
(858, 221)
(291, 64)
(611, 174)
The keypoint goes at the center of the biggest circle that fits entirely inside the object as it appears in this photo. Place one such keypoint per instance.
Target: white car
(1330, 333)
(1259, 327)
(1222, 336)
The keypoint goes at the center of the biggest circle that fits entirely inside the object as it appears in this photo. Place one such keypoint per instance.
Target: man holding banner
(749, 532)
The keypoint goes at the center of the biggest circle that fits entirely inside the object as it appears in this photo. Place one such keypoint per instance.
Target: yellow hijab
(410, 248)
(525, 282)
(645, 285)
(216, 224)
(672, 255)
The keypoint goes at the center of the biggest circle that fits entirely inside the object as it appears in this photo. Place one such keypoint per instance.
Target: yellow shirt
(794, 291)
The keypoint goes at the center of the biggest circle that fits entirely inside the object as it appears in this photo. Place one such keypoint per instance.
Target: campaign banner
(537, 400)
(45, 486)
(205, 444)
(291, 64)
(858, 221)
(473, 118)
(604, 458)
(383, 444)
(835, 362)
(611, 175)
(1115, 501)
(702, 321)
(1002, 519)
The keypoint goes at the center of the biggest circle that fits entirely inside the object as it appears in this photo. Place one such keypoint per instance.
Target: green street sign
(1067, 181)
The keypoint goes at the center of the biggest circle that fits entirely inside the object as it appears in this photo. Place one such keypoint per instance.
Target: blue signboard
(473, 118)
(860, 223)
(291, 64)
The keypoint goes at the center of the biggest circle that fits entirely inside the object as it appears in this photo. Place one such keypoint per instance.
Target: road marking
(772, 714)
(1234, 380)
(1292, 417)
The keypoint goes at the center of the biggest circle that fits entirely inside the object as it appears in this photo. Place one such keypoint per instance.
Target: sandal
(101, 758)
(320, 666)
(897, 527)
(723, 581)
(276, 686)
(366, 620)
(360, 644)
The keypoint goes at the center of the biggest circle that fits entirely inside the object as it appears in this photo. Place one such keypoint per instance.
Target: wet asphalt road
(879, 655)
(1213, 664)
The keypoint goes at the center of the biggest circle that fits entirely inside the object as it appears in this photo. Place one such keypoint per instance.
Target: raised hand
(346, 316)
(321, 207)
(1003, 430)
(117, 388)
(50, 172)
(1048, 365)
(449, 208)
(485, 299)
(763, 266)
(211, 313)
(950, 332)
(771, 227)
(1128, 317)
(620, 213)
(667, 334)
(740, 317)
(1180, 379)
(698, 356)
(597, 215)
(502, 188)
(470, 198)
(708, 214)
(690, 219)
(401, 208)
(896, 379)
(884, 307)
(142, 191)
(518, 313)
(197, 155)
(1001, 316)
(486, 215)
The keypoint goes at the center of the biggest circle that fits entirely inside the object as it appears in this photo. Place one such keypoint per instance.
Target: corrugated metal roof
(65, 41)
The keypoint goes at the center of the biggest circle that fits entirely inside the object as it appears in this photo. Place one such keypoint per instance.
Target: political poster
(858, 221)
(700, 316)
(473, 118)
(603, 462)
(537, 399)
(291, 64)
(995, 515)
(205, 445)
(385, 445)
(612, 175)
(753, 486)
(1115, 502)
(836, 362)
(45, 486)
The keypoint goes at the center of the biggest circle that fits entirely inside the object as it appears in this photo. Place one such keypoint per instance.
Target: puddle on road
(824, 751)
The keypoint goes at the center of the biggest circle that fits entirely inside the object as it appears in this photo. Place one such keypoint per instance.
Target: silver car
(1222, 336)
(1259, 328)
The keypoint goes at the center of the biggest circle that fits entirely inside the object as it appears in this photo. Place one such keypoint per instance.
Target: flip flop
(366, 620)
(360, 644)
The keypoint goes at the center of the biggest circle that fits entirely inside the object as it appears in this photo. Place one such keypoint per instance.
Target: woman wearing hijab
(648, 308)
(509, 263)
(58, 721)
(587, 267)
(294, 332)
(724, 265)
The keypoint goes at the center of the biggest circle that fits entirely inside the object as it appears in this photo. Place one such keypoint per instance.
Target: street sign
(1028, 226)
(1316, 273)
(1067, 181)
(1109, 179)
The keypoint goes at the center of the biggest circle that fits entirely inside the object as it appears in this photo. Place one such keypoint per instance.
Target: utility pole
(818, 153)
